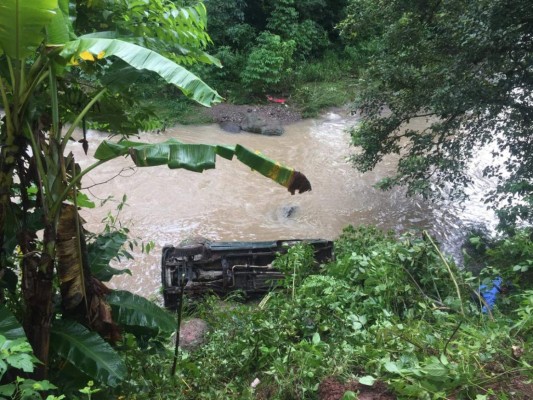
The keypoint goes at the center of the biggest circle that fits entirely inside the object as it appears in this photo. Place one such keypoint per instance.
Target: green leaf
(21, 361)
(7, 390)
(3, 366)
(349, 395)
(436, 370)
(139, 315)
(101, 251)
(367, 380)
(59, 31)
(143, 59)
(87, 351)
(316, 338)
(82, 200)
(42, 385)
(22, 25)
(9, 326)
(392, 367)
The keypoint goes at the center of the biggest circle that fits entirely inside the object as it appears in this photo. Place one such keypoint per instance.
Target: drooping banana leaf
(9, 326)
(70, 268)
(87, 351)
(199, 157)
(82, 295)
(288, 177)
(139, 315)
(91, 49)
(22, 25)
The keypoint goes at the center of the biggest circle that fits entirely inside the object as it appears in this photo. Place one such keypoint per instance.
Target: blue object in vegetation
(490, 295)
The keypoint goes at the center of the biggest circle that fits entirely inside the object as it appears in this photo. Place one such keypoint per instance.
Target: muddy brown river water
(233, 203)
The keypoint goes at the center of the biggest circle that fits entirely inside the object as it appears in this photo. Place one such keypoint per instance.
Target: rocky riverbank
(225, 112)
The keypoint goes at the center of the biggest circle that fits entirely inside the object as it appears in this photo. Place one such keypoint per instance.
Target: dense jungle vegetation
(390, 312)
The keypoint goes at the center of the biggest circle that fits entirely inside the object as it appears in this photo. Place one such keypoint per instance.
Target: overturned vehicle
(202, 266)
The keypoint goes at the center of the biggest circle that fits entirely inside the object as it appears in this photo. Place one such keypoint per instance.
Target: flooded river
(233, 203)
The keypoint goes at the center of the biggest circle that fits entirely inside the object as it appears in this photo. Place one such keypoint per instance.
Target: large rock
(254, 123)
(192, 333)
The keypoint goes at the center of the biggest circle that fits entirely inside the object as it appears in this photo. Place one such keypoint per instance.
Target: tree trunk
(8, 157)
(38, 290)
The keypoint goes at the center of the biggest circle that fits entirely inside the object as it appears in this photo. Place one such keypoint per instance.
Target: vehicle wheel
(192, 247)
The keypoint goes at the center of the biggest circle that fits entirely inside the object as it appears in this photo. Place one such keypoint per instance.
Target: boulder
(192, 333)
(230, 126)
(254, 123)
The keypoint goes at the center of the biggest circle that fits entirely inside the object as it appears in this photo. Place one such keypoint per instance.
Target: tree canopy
(468, 67)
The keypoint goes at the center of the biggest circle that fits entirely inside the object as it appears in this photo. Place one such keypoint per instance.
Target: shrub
(268, 67)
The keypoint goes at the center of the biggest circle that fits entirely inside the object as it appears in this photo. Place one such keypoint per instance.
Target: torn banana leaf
(199, 157)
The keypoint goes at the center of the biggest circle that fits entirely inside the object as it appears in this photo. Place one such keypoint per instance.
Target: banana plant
(39, 50)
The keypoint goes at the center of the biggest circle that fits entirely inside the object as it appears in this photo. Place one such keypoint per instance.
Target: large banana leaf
(87, 351)
(199, 157)
(22, 25)
(90, 49)
(138, 315)
(60, 30)
(9, 326)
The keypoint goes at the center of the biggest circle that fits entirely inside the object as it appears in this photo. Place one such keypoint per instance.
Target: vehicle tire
(188, 250)
(163, 267)
(192, 247)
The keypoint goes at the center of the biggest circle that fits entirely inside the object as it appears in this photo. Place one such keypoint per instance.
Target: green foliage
(309, 36)
(323, 83)
(509, 259)
(524, 313)
(237, 29)
(312, 40)
(16, 355)
(172, 29)
(88, 390)
(87, 352)
(102, 250)
(283, 19)
(296, 264)
(314, 97)
(10, 328)
(112, 245)
(268, 67)
(139, 316)
(463, 65)
(227, 22)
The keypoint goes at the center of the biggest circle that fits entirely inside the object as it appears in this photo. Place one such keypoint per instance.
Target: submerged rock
(289, 211)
